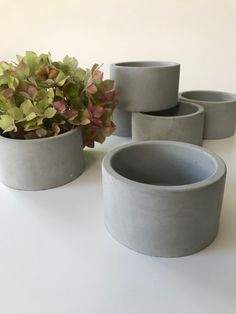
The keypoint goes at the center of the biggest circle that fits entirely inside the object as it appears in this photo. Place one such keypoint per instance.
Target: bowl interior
(208, 96)
(182, 109)
(163, 164)
(146, 64)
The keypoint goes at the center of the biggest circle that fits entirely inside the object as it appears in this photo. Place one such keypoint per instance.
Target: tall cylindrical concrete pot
(145, 86)
(163, 198)
(220, 111)
(41, 164)
(182, 123)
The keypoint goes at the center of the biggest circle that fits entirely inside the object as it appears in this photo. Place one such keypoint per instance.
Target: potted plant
(48, 112)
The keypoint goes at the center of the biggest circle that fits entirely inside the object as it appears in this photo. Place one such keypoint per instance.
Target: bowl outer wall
(165, 221)
(40, 164)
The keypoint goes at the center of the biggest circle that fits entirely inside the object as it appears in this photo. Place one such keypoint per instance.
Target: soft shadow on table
(92, 171)
(67, 202)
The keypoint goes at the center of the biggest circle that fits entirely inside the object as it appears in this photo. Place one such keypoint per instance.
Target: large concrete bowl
(41, 164)
(163, 198)
(183, 123)
(220, 111)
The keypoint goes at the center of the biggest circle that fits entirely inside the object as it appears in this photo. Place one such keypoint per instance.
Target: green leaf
(39, 121)
(80, 74)
(42, 105)
(50, 93)
(71, 90)
(30, 125)
(27, 107)
(50, 112)
(32, 80)
(85, 121)
(23, 69)
(41, 132)
(59, 93)
(31, 116)
(16, 113)
(3, 80)
(7, 123)
(12, 82)
(31, 59)
(61, 78)
(71, 62)
(4, 66)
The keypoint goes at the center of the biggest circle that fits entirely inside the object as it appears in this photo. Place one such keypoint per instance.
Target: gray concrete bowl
(41, 164)
(163, 198)
(146, 85)
(220, 111)
(183, 123)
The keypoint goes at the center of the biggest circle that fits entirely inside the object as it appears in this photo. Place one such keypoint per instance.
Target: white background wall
(200, 34)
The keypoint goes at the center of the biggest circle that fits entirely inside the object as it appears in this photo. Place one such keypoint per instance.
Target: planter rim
(200, 109)
(219, 163)
(43, 139)
(181, 94)
(146, 64)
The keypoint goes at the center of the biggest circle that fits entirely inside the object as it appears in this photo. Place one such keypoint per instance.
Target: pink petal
(98, 75)
(92, 89)
(96, 122)
(59, 105)
(32, 91)
(7, 92)
(70, 113)
(97, 111)
(56, 128)
(110, 95)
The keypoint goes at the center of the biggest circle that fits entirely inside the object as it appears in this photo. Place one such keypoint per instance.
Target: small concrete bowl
(163, 198)
(146, 85)
(183, 123)
(220, 111)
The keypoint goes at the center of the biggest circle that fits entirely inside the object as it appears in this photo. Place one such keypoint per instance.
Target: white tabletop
(56, 256)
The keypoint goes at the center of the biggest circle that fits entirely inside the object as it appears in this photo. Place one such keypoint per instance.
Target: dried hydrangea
(41, 98)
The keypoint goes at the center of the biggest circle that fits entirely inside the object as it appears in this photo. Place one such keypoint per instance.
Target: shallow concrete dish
(183, 123)
(220, 111)
(163, 198)
(40, 164)
(144, 86)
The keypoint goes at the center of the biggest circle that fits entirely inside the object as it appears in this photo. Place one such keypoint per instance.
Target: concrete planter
(41, 163)
(144, 86)
(220, 111)
(182, 123)
(163, 198)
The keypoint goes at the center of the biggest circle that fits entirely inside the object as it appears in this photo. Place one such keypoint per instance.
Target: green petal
(50, 112)
(7, 123)
(27, 107)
